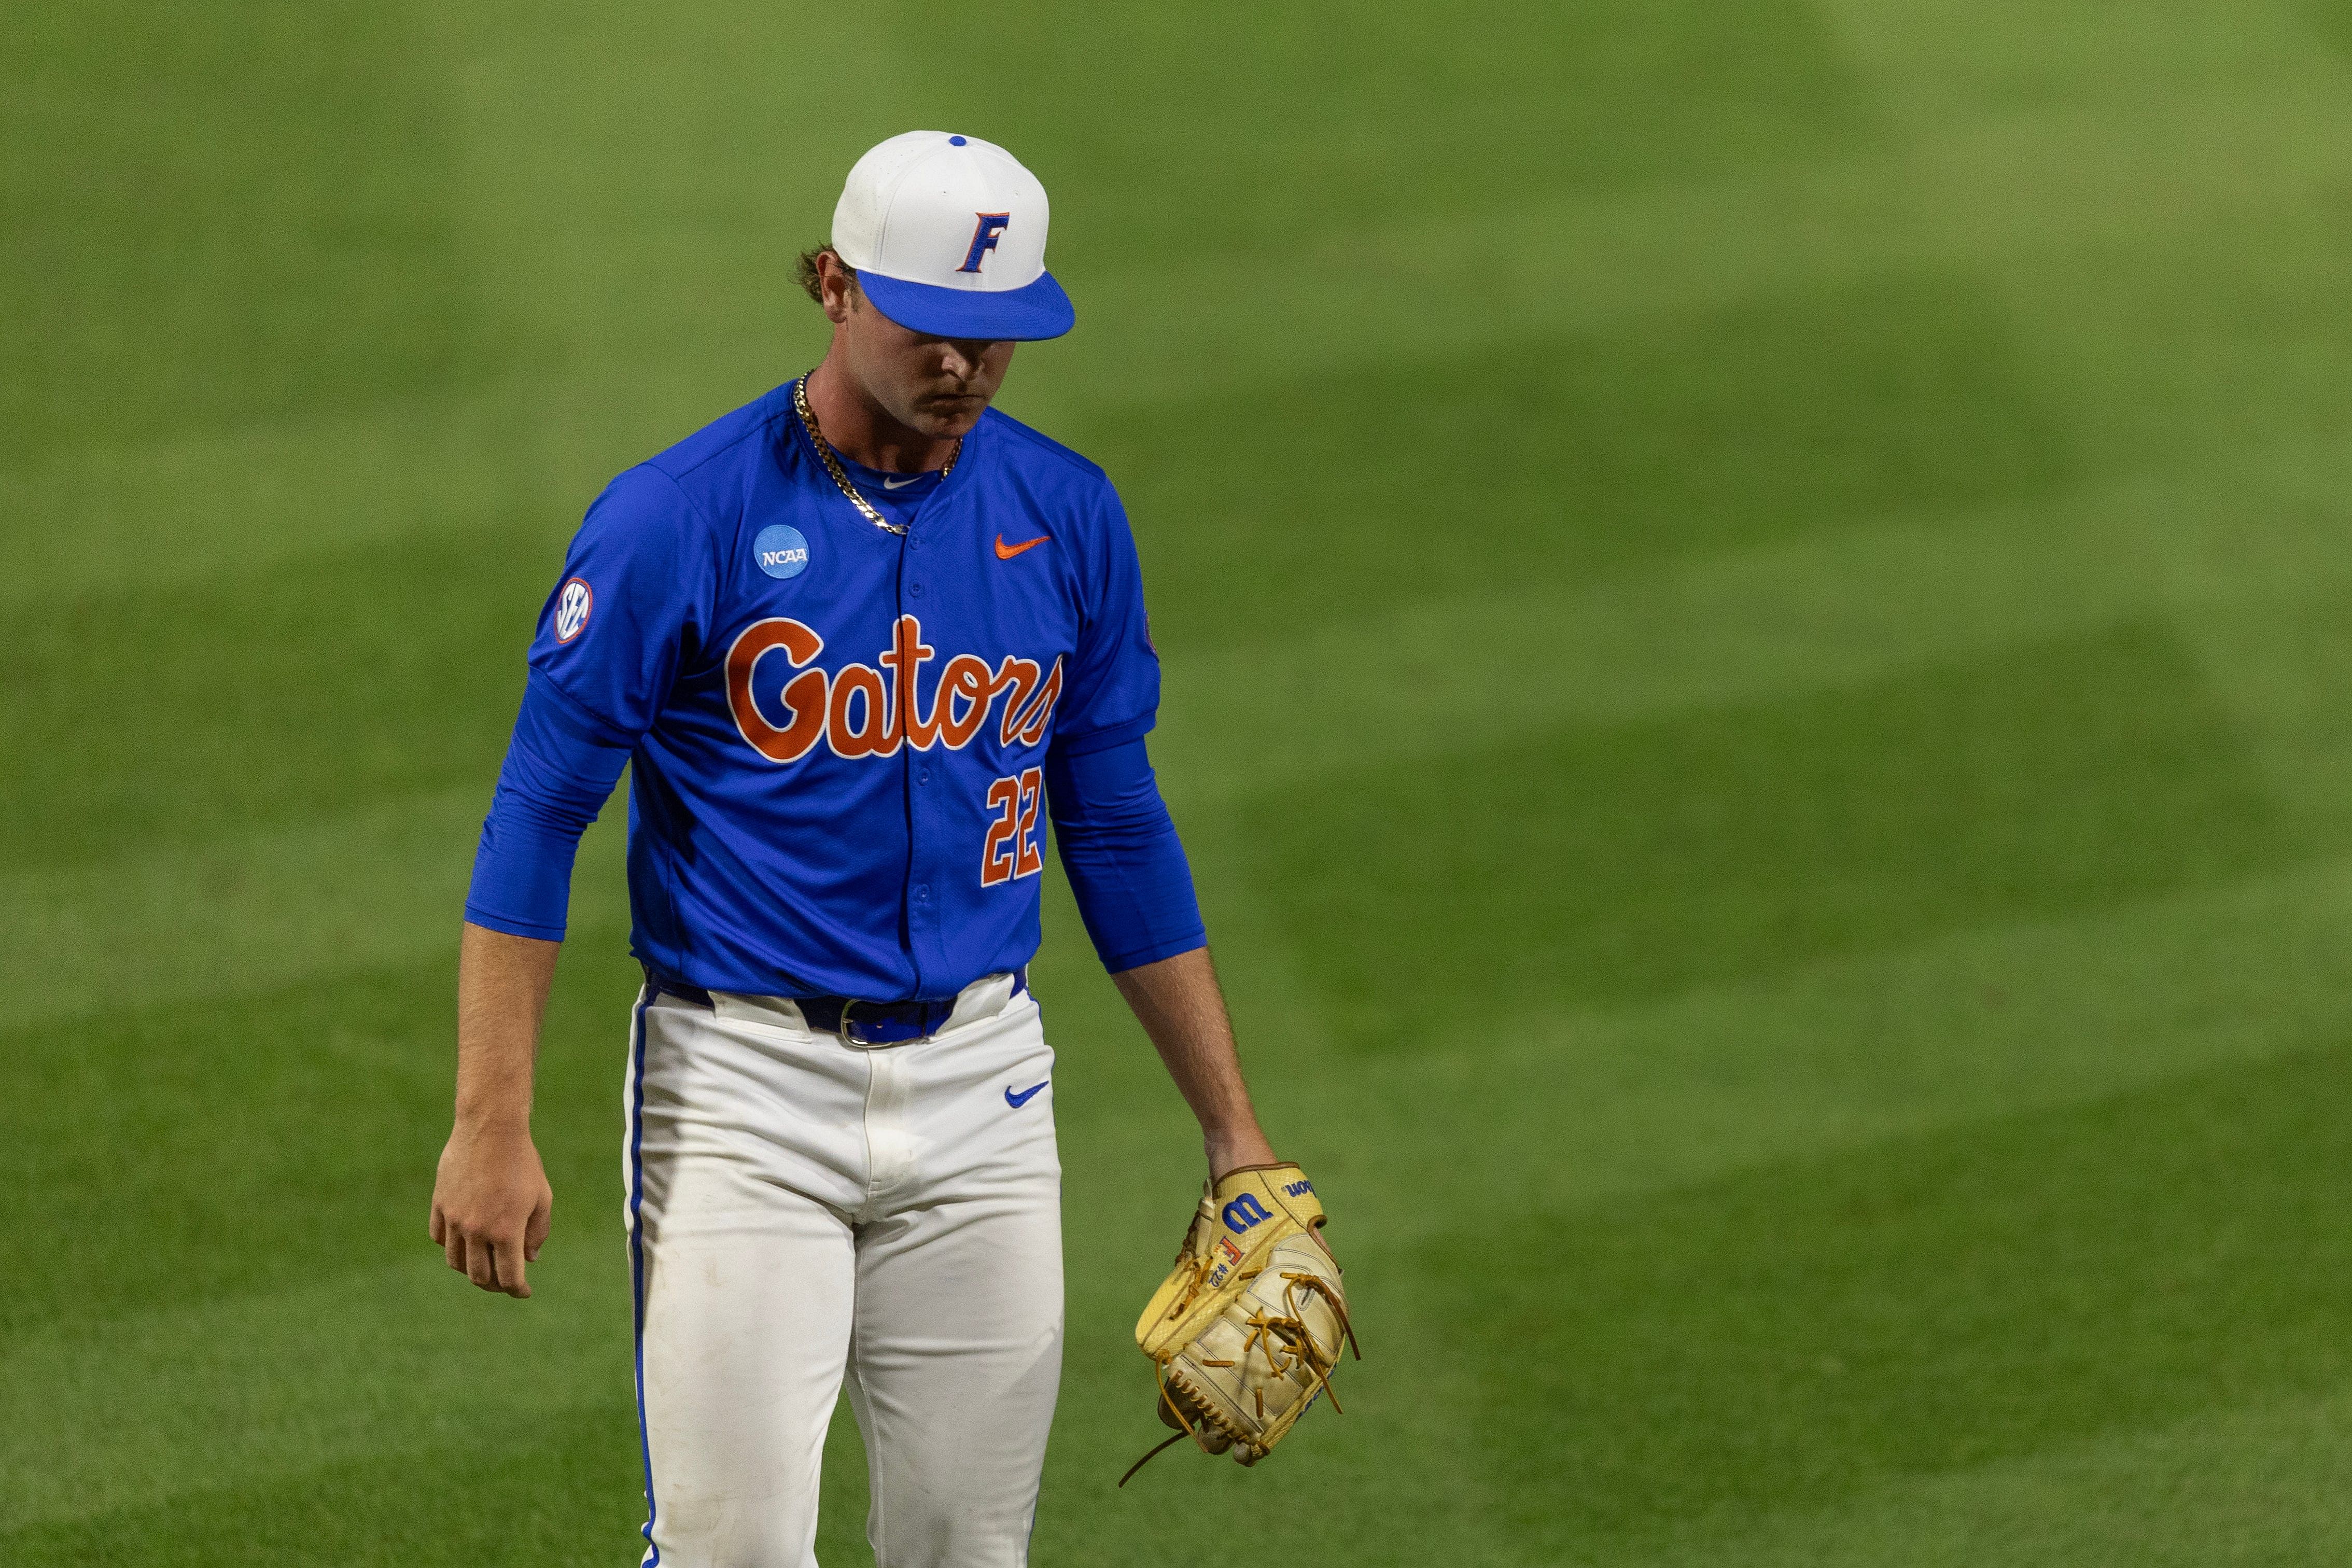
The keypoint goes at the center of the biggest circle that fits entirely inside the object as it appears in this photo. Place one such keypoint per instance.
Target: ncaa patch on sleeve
(571, 607)
(780, 550)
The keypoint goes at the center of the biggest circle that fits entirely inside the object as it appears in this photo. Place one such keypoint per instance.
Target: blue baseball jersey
(840, 735)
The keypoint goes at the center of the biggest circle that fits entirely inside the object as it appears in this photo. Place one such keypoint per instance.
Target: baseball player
(860, 641)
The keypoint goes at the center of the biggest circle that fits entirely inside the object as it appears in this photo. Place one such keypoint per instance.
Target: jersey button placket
(928, 799)
(919, 894)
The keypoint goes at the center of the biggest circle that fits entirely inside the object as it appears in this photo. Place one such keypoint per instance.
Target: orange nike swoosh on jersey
(1007, 552)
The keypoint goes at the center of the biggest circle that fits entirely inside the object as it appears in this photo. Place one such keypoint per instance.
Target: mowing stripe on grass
(1746, 626)
(1563, 1108)
(118, 521)
(109, 1413)
(261, 912)
(2255, 1485)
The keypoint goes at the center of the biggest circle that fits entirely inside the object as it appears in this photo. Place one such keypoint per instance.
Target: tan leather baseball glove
(1244, 1333)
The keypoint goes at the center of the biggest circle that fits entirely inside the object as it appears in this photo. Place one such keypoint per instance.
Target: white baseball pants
(799, 1208)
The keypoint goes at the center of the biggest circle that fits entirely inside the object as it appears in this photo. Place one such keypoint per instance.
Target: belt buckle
(847, 1031)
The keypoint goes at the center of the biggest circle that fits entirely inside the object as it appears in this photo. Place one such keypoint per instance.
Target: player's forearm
(502, 985)
(1182, 1009)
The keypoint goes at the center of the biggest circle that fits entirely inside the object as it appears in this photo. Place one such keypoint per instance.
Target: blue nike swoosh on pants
(1018, 1100)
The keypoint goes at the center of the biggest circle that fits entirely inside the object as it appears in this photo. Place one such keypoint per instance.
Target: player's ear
(835, 284)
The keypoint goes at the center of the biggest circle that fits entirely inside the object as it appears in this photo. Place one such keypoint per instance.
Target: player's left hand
(492, 1205)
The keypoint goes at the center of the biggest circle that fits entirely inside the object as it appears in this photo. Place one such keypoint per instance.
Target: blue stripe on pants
(638, 1247)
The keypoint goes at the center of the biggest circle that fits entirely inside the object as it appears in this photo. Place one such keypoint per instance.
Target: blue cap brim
(1040, 310)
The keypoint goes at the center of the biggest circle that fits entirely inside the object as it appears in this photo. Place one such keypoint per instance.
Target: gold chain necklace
(840, 474)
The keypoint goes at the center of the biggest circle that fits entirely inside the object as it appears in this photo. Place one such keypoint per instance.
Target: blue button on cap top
(955, 140)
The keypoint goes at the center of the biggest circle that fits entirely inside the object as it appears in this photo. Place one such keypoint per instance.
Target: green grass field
(1757, 681)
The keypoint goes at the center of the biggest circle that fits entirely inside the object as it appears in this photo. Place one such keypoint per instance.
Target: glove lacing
(1283, 1338)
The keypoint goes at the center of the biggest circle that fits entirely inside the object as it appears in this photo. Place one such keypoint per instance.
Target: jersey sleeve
(1112, 692)
(634, 606)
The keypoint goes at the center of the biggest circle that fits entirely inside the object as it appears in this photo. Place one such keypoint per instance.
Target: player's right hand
(490, 1205)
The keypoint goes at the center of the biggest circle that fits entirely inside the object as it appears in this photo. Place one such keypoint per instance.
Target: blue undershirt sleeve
(560, 766)
(1119, 847)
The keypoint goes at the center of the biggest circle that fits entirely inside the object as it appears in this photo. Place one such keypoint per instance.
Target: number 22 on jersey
(1011, 850)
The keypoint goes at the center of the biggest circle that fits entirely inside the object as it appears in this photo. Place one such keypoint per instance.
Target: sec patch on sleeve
(573, 603)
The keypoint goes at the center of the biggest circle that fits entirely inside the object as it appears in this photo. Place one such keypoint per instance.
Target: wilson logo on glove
(1242, 1213)
(1244, 1337)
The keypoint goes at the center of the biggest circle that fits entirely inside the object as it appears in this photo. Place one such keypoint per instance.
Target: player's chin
(951, 415)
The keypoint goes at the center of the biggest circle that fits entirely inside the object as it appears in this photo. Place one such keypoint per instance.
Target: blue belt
(858, 1023)
(873, 1023)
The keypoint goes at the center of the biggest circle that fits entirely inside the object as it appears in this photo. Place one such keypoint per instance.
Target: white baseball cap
(947, 236)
